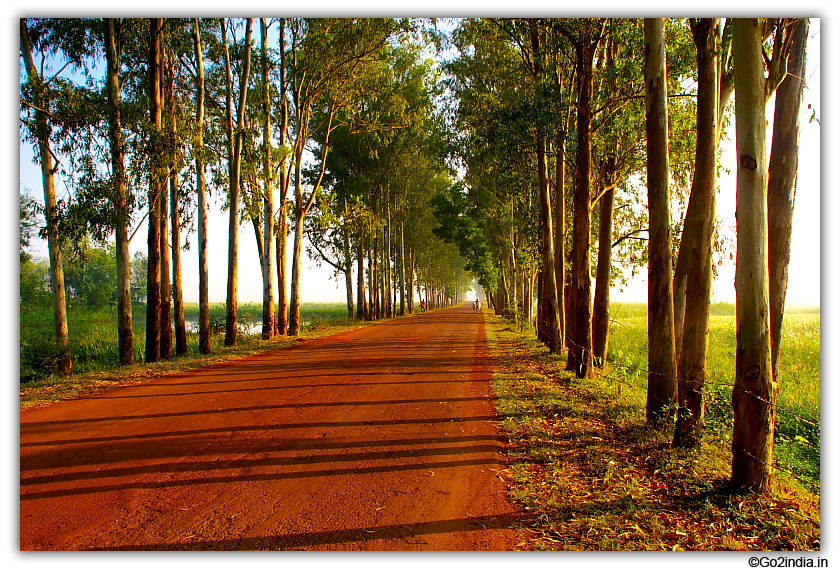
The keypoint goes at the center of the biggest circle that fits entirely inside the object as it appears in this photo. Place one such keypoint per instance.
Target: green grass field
(798, 419)
(93, 334)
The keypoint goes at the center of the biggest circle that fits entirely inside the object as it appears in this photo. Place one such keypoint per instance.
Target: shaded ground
(381, 438)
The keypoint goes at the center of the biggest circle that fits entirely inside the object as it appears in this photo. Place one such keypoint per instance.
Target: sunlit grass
(94, 346)
(797, 423)
(592, 475)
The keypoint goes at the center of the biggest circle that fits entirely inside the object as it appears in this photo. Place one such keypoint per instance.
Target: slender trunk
(402, 269)
(203, 275)
(175, 221)
(177, 287)
(165, 255)
(269, 326)
(301, 210)
(166, 336)
(370, 281)
(153, 300)
(233, 226)
(560, 234)
(548, 295)
(696, 246)
(294, 307)
(281, 232)
(580, 352)
(754, 394)
(348, 271)
(281, 229)
(601, 310)
(781, 186)
(386, 257)
(662, 371)
(361, 294)
(124, 324)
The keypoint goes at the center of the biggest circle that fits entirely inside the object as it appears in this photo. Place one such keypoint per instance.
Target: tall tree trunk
(560, 233)
(386, 257)
(548, 289)
(696, 244)
(233, 226)
(180, 323)
(781, 186)
(371, 281)
(281, 232)
(125, 331)
(754, 394)
(65, 362)
(177, 287)
(153, 299)
(294, 306)
(166, 333)
(662, 371)
(348, 271)
(361, 295)
(601, 310)
(580, 352)
(203, 276)
(402, 269)
(301, 209)
(269, 326)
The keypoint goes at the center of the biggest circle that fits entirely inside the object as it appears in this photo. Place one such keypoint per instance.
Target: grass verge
(591, 475)
(101, 370)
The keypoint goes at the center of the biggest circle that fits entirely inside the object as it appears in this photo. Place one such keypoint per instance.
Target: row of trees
(349, 126)
(626, 104)
(320, 128)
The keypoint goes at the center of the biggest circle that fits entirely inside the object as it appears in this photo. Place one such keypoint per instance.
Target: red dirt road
(382, 438)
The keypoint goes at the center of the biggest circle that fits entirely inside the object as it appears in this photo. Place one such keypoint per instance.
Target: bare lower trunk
(754, 394)
(294, 306)
(348, 272)
(662, 371)
(601, 310)
(361, 294)
(402, 269)
(166, 335)
(282, 304)
(177, 288)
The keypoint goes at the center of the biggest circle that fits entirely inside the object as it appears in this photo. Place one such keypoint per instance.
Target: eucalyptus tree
(754, 393)
(153, 289)
(327, 57)
(235, 142)
(781, 182)
(203, 276)
(585, 36)
(662, 386)
(37, 97)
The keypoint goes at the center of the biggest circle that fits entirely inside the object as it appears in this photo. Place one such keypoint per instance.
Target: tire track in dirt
(382, 438)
